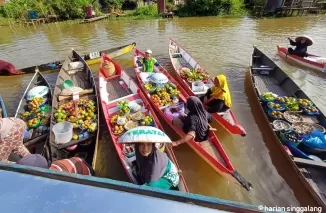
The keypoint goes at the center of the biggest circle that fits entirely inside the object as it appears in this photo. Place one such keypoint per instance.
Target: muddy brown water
(221, 45)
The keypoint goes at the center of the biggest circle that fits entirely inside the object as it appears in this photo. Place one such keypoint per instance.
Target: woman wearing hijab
(154, 168)
(217, 98)
(11, 138)
(195, 123)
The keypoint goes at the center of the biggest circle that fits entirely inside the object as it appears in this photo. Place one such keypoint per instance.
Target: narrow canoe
(40, 134)
(266, 76)
(313, 62)
(121, 87)
(3, 108)
(76, 70)
(211, 150)
(90, 58)
(181, 58)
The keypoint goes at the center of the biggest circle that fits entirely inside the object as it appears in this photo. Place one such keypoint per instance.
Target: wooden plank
(311, 163)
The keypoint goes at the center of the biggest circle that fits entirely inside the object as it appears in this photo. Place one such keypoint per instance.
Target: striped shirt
(73, 165)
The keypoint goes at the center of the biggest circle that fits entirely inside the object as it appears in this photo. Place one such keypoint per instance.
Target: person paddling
(7, 68)
(301, 46)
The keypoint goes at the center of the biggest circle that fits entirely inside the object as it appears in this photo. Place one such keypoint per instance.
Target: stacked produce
(123, 120)
(36, 114)
(164, 96)
(194, 75)
(268, 96)
(83, 118)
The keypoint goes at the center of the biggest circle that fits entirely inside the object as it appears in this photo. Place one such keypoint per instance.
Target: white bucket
(62, 132)
(197, 86)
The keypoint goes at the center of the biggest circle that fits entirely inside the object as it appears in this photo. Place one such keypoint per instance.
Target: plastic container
(63, 132)
(197, 86)
(38, 91)
(67, 84)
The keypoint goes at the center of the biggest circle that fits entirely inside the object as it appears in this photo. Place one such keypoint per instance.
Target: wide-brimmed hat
(309, 40)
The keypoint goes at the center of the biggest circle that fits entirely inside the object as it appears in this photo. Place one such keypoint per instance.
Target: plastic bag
(316, 139)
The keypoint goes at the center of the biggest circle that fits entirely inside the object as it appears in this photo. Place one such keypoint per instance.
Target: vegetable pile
(269, 96)
(123, 120)
(194, 75)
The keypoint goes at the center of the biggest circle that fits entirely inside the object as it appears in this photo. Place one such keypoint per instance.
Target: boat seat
(223, 113)
(176, 55)
(263, 68)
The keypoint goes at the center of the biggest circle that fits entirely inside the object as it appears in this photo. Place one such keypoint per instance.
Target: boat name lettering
(146, 132)
(94, 55)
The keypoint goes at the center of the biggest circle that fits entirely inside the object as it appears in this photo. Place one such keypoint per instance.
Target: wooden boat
(89, 20)
(211, 150)
(94, 191)
(313, 62)
(266, 76)
(90, 58)
(121, 87)
(76, 70)
(41, 133)
(180, 58)
(3, 108)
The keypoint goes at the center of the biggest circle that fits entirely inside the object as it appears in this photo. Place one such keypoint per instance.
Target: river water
(221, 45)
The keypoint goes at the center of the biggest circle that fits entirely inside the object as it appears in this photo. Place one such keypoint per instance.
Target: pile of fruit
(275, 106)
(84, 118)
(147, 120)
(305, 102)
(35, 117)
(194, 75)
(172, 90)
(269, 96)
(311, 110)
(35, 103)
(163, 96)
(123, 107)
(150, 86)
(276, 114)
(120, 123)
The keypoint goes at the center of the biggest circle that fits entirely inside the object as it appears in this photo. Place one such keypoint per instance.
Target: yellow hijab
(223, 87)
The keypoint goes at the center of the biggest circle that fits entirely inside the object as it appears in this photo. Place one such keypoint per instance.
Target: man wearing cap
(8, 68)
(149, 62)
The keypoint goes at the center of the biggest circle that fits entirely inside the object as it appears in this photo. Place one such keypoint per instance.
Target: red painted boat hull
(107, 105)
(310, 62)
(232, 126)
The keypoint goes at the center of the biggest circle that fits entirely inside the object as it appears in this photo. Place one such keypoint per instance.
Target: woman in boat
(154, 168)
(7, 68)
(11, 138)
(301, 46)
(73, 165)
(149, 62)
(217, 98)
(195, 124)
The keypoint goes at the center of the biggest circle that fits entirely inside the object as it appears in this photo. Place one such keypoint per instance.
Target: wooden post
(161, 6)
